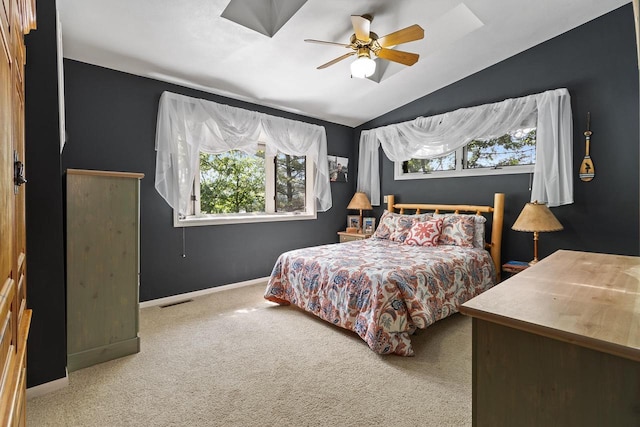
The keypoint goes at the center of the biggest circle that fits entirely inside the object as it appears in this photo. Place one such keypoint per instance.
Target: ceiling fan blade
(409, 34)
(361, 27)
(338, 59)
(406, 58)
(329, 43)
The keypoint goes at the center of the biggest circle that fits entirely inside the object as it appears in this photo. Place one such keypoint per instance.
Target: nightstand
(350, 237)
(514, 267)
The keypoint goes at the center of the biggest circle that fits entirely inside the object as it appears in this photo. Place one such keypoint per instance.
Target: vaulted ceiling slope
(190, 43)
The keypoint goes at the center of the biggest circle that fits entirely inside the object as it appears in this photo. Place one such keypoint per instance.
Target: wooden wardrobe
(17, 18)
(102, 266)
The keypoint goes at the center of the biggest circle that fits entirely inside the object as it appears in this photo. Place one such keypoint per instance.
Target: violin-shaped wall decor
(587, 171)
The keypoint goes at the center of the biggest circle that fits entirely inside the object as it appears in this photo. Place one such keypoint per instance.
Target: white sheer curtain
(188, 125)
(369, 166)
(434, 136)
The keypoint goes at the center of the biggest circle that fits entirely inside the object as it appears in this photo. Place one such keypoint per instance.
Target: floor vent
(175, 303)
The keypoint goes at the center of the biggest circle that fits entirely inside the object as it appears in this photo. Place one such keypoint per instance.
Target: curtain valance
(186, 126)
(434, 136)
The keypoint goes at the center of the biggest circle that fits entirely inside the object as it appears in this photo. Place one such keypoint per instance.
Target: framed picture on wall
(368, 225)
(338, 168)
(353, 221)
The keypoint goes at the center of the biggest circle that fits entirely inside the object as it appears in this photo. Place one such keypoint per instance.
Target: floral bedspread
(380, 289)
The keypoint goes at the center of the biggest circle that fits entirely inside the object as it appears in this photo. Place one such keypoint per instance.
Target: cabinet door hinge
(18, 172)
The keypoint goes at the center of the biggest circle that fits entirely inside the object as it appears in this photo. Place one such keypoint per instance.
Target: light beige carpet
(233, 359)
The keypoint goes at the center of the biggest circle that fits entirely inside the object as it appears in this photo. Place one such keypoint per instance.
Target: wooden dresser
(559, 344)
(17, 18)
(103, 211)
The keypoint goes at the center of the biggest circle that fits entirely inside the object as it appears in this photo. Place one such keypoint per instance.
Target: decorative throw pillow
(479, 229)
(394, 226)
(457, 230)
(403, 225)
(386, 226)
(425, 233)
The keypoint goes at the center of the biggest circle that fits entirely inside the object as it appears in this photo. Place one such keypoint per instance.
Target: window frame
(199, 219)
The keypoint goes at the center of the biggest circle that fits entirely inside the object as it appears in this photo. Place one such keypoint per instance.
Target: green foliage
(290, 183)
(232, 182)
(443, 163)
(515, 148)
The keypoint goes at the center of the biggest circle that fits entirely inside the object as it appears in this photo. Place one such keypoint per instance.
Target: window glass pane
(515, 148)
(232, 182)
(444, 163)
(290, 183)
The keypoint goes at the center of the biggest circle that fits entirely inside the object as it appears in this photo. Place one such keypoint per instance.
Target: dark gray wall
(47, 347)
(111, 125)
(597, 63)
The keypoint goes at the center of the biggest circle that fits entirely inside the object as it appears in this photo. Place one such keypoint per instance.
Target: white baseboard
(181, 297)
(46, 388)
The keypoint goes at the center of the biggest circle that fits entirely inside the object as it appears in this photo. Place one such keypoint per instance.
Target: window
(291, 182)
(237, 187)
(444, 163)
(514, 152)
(230, 183)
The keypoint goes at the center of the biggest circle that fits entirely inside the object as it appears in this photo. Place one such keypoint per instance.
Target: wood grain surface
(588, 299)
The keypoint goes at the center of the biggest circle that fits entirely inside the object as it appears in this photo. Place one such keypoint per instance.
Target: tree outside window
(290, 183)
(232, 182)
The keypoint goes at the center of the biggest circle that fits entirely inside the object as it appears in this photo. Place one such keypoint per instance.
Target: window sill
(505, 170)
(193, 221)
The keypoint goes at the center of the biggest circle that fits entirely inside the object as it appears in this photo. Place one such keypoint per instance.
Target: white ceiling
(187, 42)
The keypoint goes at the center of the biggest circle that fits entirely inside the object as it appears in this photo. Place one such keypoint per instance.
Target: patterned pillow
(425, 233)
(403, 225)
(457, 230)
(385, 226)
(478, 233)
(395, 227)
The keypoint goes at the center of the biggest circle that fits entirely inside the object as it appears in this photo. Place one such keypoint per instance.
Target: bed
(420, 265)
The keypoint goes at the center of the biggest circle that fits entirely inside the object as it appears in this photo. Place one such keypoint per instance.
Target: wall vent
(176, 303)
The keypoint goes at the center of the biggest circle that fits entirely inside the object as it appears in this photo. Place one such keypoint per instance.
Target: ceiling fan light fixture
(364, 66)
(363, 41)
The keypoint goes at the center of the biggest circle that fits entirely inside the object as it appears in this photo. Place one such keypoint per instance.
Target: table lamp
(537, 218)
(360, 202)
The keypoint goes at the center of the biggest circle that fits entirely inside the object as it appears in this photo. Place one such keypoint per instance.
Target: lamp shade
(360, 201)
(536, 217)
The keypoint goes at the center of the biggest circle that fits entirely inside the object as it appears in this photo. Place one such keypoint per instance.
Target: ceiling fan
(365, 42)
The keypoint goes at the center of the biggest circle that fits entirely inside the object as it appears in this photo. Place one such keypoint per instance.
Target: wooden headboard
(497, 212)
